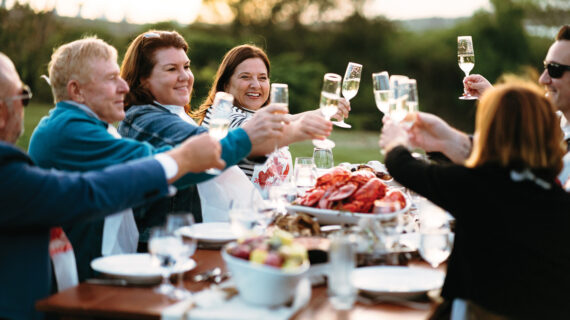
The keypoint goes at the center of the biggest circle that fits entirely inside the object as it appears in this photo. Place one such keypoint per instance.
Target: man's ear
(4, 114)
(74, 91)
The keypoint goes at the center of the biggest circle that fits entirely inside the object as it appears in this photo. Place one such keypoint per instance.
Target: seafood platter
(344, 196)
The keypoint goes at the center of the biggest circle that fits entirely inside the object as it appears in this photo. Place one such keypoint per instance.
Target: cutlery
(208, 274)
(107, 282)
(393, 300)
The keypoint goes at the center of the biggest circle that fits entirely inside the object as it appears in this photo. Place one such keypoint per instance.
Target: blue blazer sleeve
(32, 197)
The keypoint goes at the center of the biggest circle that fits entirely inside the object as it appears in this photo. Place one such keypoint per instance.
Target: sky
(186, 11)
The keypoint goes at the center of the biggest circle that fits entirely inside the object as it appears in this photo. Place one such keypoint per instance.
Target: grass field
(351, 146)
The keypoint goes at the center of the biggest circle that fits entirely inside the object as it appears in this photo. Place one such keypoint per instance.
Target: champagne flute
(330, 94)
(350, 85)
(220, 120)
(381, 86)
(398, 109)
(412, 104)
(466, 60)
(175, 223)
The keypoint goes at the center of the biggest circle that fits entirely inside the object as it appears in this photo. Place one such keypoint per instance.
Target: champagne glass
(350, 85)
(381, 86)
(163, 246)
(398, 108)
(466, 60)
(411, 104)
(220, 120)
(175, 223)
(330, 94)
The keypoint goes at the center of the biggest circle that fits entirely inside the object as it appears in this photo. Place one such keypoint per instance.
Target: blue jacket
(32, 200)
(158, 126)
(72, 138)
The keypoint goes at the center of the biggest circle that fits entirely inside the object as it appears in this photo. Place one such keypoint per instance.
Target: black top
(511, 252)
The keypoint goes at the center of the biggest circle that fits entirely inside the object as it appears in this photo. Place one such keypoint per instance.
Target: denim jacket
(156, 125)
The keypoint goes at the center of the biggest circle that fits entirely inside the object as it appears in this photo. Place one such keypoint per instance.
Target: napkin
(211, 304)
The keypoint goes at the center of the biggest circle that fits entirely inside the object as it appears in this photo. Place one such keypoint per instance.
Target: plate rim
(434, 272)
(187, 232)
(189, 265)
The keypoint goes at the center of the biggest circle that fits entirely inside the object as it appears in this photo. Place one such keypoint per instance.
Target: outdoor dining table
(95, 301)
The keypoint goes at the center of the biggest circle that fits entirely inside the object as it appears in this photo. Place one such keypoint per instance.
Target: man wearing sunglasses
(33, 200)
(432, 134)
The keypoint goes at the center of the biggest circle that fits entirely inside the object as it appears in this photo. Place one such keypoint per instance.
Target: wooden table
(89, 301)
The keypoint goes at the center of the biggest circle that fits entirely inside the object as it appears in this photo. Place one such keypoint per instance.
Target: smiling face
(171, 79)
(104, 91)
(558, 90)
(249, 84)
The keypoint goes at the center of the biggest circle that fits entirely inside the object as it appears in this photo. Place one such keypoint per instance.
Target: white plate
(326, 216)
(136, 268)
(211, 232)
(396, 280)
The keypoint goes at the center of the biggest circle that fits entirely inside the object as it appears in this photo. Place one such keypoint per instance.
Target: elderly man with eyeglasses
(432, 134)
(33, 200)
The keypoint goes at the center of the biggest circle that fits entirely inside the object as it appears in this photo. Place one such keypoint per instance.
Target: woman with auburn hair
(510, 255)
(245, 73)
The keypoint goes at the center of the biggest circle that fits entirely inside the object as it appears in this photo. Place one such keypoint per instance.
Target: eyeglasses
(555, 70)
(25, 96)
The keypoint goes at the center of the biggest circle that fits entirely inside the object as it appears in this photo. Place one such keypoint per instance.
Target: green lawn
(351, 145)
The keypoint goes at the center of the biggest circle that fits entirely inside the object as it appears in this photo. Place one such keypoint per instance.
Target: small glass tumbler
(323, 158)
(342, 260)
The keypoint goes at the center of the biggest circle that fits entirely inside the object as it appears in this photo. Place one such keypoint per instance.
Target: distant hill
(418, 25)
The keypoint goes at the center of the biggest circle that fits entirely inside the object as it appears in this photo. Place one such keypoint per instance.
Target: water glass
(323, 158)
(175, 222)
(164, 247)
(342, 260)
(243, 220)
(305, 173)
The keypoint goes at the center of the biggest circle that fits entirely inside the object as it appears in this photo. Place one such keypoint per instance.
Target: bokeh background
(304, 40)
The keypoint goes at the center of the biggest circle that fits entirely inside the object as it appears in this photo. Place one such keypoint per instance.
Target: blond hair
(72, 61)
(516, 126)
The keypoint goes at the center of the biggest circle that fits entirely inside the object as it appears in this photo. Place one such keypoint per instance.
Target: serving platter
(403, 282)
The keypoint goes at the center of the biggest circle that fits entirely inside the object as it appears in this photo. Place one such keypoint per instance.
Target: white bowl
(263, 285)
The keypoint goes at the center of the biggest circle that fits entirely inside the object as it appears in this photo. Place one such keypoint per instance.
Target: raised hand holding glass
(466, 60)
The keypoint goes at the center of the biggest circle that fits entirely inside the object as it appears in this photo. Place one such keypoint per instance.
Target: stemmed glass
(330, 94)
(436, 239)
(164, 246)
(220, 120)
(398, 108)
(466, 60)
(175, 224)
(350, 85)
(381, 86)
(412, 104)
(279, 96)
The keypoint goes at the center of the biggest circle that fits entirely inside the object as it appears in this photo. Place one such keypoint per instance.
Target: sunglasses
(24, 96)
(555, 70)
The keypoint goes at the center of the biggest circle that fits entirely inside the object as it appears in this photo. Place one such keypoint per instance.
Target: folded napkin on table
(212, 304)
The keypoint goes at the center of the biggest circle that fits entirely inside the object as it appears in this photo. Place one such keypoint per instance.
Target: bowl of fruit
(266, 269)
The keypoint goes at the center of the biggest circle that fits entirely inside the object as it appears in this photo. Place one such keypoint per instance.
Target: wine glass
(381, 86)
(330, 94)
(350, 85)
(323, 158)
(175, 223)
(435, 234)
(412, 104)
(220, 120)
(398, 109)
(466, 60)
(163, 246)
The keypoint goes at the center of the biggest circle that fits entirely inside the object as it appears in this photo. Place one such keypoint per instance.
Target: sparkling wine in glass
(220, 120)
(398, 109)
(350, 85)
(381, 86)
(466, 60)
(330, 94)
(412, 104)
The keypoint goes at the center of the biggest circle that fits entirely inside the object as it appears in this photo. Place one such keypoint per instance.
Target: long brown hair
(140, 60)
(226, 69)
(517, 127)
